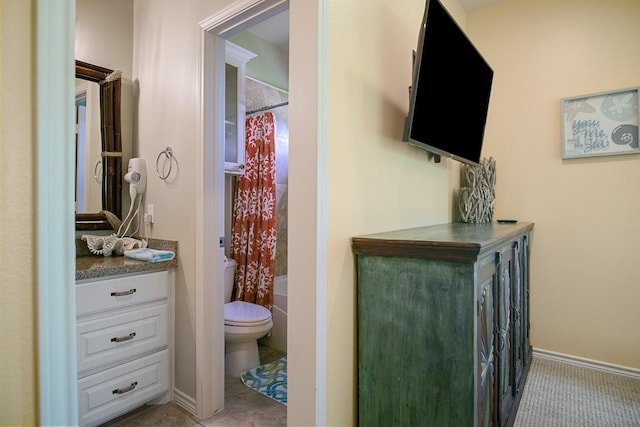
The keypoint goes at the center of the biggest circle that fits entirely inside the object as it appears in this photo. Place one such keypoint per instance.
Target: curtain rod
(270, 107)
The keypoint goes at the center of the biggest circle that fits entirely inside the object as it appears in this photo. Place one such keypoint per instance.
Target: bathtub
(278, 337)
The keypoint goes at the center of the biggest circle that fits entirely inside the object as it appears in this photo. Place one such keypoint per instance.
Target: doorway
(211, 213)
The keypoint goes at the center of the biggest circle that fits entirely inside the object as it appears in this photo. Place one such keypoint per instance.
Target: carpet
(269, 379)
(562, 394)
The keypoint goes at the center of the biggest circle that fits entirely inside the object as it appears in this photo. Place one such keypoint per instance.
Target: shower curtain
(254, 215)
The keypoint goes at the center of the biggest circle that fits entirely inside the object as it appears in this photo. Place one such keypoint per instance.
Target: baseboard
(184, 401)
(587, 363)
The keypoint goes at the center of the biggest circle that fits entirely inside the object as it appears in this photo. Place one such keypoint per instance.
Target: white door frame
(213, 32)
(55, 157)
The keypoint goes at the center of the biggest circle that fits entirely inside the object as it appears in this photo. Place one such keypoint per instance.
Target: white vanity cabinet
(124, 332)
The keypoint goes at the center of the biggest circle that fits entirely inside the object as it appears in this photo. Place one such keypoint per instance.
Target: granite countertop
(89, 266)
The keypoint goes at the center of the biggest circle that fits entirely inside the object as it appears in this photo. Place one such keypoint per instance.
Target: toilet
(244, 324)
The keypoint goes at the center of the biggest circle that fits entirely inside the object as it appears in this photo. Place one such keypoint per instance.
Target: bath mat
(269, 379)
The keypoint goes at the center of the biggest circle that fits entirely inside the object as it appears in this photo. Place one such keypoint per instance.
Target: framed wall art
(600, 124)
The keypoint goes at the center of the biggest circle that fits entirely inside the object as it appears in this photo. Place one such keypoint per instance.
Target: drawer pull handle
(126, 338)
(126, 389)
(123, 293)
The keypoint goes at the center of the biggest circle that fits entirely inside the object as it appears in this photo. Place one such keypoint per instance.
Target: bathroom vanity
(443, 324)
(124, 333)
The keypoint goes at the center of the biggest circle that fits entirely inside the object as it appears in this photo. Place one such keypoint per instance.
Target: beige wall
(18, 404)
(376, 182)
(104, 34)
(584, 266)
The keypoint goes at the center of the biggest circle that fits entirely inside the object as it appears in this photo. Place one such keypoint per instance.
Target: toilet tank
(229, 272)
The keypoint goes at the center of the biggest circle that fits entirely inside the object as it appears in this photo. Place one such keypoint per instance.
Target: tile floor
(243, 407)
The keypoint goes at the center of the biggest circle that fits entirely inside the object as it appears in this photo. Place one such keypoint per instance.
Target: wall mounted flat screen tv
(449, 96)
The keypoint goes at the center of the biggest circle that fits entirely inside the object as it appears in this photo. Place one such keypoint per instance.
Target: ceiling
(276, 30)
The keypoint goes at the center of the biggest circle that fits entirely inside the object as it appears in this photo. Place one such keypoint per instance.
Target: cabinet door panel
(236, 59)
(504, 336)
(415, 342)
(518, 355)
(487, 403)
(526, 347)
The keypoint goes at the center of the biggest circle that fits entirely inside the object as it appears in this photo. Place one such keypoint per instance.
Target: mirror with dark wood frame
(111, 141)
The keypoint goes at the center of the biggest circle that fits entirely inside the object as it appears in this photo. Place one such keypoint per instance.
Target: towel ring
(168, 154)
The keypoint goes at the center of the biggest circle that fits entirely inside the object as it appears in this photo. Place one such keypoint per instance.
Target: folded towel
(150, 255)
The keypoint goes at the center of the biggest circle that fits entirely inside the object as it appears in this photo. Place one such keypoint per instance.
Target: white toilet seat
(241, 313)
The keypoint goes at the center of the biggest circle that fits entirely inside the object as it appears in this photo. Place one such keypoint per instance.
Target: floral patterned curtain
(254, 215)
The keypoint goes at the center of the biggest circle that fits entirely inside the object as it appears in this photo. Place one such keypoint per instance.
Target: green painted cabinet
(442, 324)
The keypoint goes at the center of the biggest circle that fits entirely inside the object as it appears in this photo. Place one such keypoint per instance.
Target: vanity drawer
(115, 391)
(123, 291)
(108, 340)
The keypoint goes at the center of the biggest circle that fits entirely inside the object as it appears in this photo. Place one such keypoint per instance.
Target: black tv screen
(449, 96)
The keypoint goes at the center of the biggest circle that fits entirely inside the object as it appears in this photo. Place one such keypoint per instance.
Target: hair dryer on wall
(136, 176)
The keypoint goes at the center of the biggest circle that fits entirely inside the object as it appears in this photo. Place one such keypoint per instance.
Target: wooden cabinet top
(456, 241)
